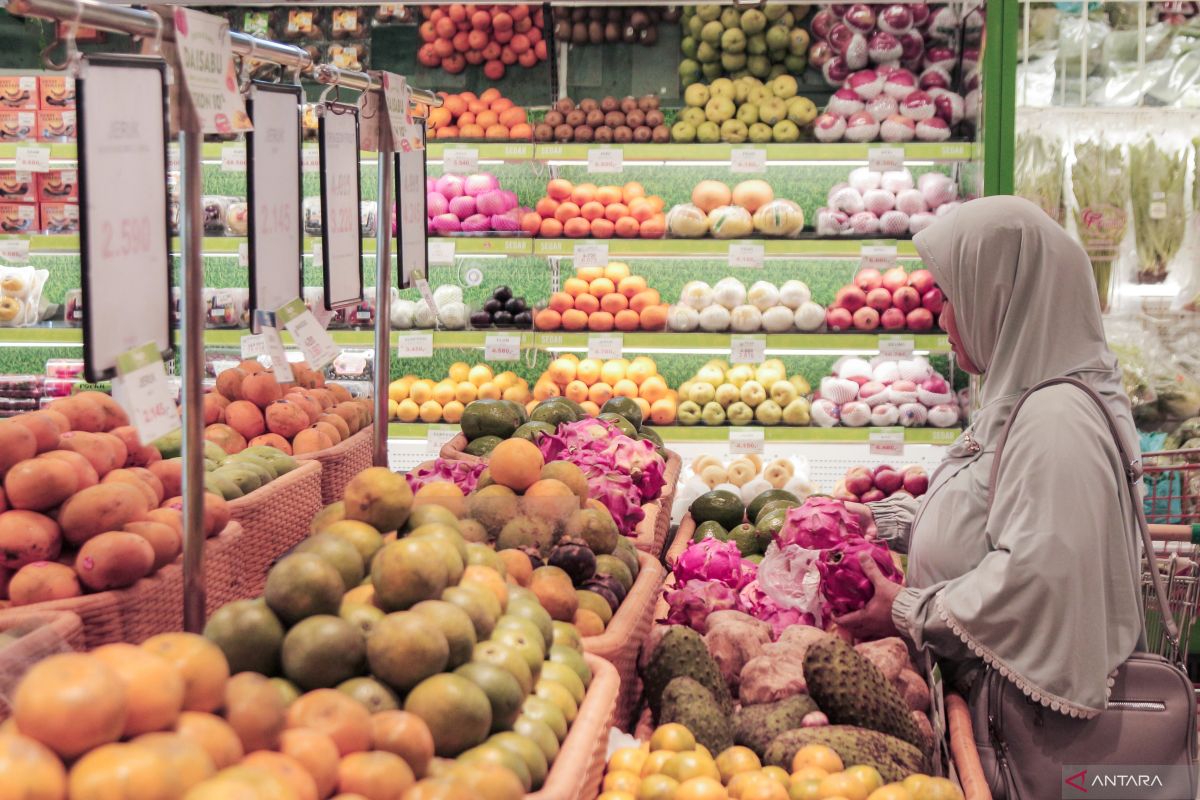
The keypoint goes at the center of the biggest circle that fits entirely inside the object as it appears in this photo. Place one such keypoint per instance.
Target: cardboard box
(56, 126)
(18, 126)
(18, 92)
(18, 217)
(18, 187)
(56, 186)
(56, 92)
(59, 217)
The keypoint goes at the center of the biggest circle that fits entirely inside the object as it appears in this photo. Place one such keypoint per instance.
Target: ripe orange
(632, 190)
(615, 211)
(559, 188)
(644, 299)
(600, 321)
(546, 206)
(574, 320)
(627, 227)
(602, 228)
(654, 318)
(587, 303)
(583, 193)
(71, 703)
(516, 463)
(614, 302)
(550, 228)
(817, 755)
(631, 285)
(592, 210)
(577, 228)
(703, 788)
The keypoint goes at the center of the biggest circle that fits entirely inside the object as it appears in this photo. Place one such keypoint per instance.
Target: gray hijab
(1026, 306)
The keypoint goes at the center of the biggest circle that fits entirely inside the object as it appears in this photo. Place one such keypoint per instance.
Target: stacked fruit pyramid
(601, 299)
(411, 398)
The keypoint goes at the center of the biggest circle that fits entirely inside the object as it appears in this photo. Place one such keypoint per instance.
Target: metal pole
(192, 335)
(383, 294)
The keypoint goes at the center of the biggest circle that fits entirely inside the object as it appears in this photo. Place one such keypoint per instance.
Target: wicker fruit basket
(342, 462)
(579, 766)
(42, 634)
(621, 642)
(652, 537)
(683, 537)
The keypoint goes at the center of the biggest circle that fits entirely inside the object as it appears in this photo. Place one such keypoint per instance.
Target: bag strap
(1133, 473)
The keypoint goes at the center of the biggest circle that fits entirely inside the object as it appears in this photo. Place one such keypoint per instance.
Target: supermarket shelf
(701, 433)
(675, 153)
(58, 152)
(719, 248)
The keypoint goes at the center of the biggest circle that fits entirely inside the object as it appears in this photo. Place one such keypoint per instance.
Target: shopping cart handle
(1176, 533)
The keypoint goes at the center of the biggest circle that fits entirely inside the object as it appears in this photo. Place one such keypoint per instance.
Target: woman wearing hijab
(1044, 585)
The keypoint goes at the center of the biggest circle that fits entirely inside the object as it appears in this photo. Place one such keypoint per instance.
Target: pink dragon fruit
(714, 560)
(596, 446)
(460, 473)
(618, 494)
(754, 601)
(820, 523)
(844, 585)
(691, 604)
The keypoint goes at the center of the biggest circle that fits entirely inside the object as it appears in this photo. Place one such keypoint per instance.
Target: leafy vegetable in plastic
(1101, 184)
(1039, 173)
(1159, 207)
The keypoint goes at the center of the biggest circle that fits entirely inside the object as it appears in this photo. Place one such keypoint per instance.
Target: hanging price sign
(606, 159)
(896, 346)
(747, 159)
(313, 340)
(747, 349)
(590, 255)
(146, 393)
(341, 239)
(746, 441)
(414, 345)
(746, 255)
(460, 160)
(206, 66)
(877, 256)
(275, 351)
(411, 255)
(885, 159)
(123, 205)
(407, 135)
(886, 442)
(501, 347)
(605, 346)
(33, 159)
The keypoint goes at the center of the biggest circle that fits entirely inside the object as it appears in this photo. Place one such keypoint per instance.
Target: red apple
(858, 480)
(916, 482)
(894, 278)
(868, 279)
(851, 298)
(873, 496)
(838, 319)
(931, 300)
(889, 481)
(921, 280)
(919, 319)
(881, 468)
(866, 319)
(906, 299)
(892, 319)
(879, 299)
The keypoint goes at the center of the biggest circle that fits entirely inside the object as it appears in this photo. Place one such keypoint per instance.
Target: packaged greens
(1101, 185)
(1039, 171)
(1157, 181)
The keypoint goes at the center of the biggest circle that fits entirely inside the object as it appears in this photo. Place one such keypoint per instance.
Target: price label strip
(605, 346)
(310, 160)
(590, 255)
(441, 253)
(606, 159)
(233, 159)
(146, 393)
(747, 349)
(885, 159)
(313, 340)
(502, 347)
(33, 159)
(896, 346)
(746, 441)
(877, 256)
(748, 160)
(743, 255)
(435, 438)
(15, 251)
(414, 345)
(460, 160)
(886, 442)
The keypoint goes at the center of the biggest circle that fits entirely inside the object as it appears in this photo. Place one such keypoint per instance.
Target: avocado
(554, 412)
(259, 463)
(746, 539)
(720, 506)
(652, 435)
(533, 431)
(771, 521)
(710, 528)
(482, 446)
(522, 414)
(496, 418)
(221, 485)
(622, 424)
(242, 476)
(770, 494)
(627, 408)
(774, 505)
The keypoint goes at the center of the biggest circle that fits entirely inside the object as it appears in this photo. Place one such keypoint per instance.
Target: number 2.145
(124, 238)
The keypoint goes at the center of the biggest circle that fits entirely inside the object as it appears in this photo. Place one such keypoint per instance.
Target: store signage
(414, 345)
(877, 256)
(441, 253)
(460, 160)
(436, 438)
(501, 347)
(341, 240)
(275, 352)
(310, 160)
(746, 441)
(747, 159)
(746, 255)
(590, 255)
(605, 346)
(142, 387)
(896, 345)
(312, 339)
(233, 159)
(885, 159)
(747, 349)
(606, 159)
(886, 442)
(205, 60)
(15, 251)
(123, 202)
(33, 159)
(411, 255)
(407, 135)
(276, 244)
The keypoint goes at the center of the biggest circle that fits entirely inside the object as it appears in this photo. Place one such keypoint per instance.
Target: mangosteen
(612, 32)
(583, 134)
(644, 103)
(493, 305)
(671, 14)
(623, 134)
(574, 558)
(554, 118)
(609, 104)
(523, 320)
(629, 35)
(481, 319)
(515, 305)
(628, 103)
(639, 20)
(579, 33)
(605, 591)
(595, 33)
(614, 118)
(661, 135)
(587, 105)
(543, 132)
(502, 293)
(603, 135)
(562, 30)
(648, 36)
(635, 118)
(502, 318)
(595, 118)
(654, 118)
(575, 118)
(564, 133)
(653, 101)
(534, 555)
(565, 105)
(641, 134)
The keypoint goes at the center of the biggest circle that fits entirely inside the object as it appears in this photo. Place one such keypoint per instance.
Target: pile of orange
(411, 398)
(487, 116)
(592, 383)
(578, 211)
(601, 299)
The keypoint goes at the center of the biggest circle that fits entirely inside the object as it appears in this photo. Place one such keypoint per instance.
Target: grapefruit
(365, 539)
(503, 691)
(508, 658)
(407, 571)
(302, 585)
(249, 634)
(455, 624)
(322, 651)
(405, 649)
(371, 693)
(457, 712)
(480, 605)
(338, 551)
(379, 497)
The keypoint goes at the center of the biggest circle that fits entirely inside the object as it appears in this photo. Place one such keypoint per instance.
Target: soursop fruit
(681, 653)
(756, 726)
(895, 759)
(852, 691)
(690, 704)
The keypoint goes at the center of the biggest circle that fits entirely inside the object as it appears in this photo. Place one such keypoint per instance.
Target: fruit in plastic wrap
(687, 221)
(730, 222)
(779, 217)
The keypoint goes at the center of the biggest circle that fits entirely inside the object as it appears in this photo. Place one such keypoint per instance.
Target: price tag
(206, 67)
(233, 159)
(172, 158)
(341, 234)
(606, 159)
(407, 135)
(427, 295)
(435, 438)
(411, 211)
(590, 255)
(746, 441)
(747, 349)
(15, 251)
(885, 159)
(318, 256)
(313, 340)
(474, 277)
(896, 346)
(244, 254)
(253, 345)
(310, 160)
(33, 159)
(877, 256)
(460, 160)
(886, 441)
(146, 393)
(1158, 205)
(279, 359)
(746, 255)
(441, 252)
(501, 347)
(747, 159)
(414, 345)
(605, 346)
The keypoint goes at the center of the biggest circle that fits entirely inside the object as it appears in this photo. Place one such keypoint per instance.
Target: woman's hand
(874, 620)
(866, 517)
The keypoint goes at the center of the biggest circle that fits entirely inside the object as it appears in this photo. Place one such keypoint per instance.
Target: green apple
(723, 87)
(707, 54)
(739, 414)
(796, 64)
(733, 41)
(733, 131)
(696, 94)
(731, 17)
(739, 374)
(783, 393)
(688, 47)
(759, 94)
(768, 412)
(777, 37)
(760, 133)
(754, 21)
(693, 116)
(719, 109)
(688, 413)
(707, 13)
(712, 70)
(784, 87)
(689, 70)
(756, 45)
(683, 132)
(701, 393)
(708, 132)
(733, 62)
(753, 393)
(785, 131)
(797, 412)
(773, 11)
(727, 394)
(747, 114)
(801, 111)
(713, 414)
(694, 26)
(712, 374)
(772, 110)
(711, 33)
(798, 42)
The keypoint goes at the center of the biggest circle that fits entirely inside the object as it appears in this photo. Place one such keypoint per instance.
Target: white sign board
(410, 209)
(206, 64)
(341, 240)
(746, 441)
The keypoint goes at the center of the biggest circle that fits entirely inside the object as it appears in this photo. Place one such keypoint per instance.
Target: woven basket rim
(339, 449)
(281, 484)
